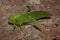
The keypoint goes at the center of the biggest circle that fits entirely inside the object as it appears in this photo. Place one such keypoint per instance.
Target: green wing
(34, 14)
(39, 14)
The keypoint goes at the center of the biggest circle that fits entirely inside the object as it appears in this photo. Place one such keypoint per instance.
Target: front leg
(14, 27)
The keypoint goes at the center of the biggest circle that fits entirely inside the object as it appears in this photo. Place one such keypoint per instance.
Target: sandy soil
(51, 26)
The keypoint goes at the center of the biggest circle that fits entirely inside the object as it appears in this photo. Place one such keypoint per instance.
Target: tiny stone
(46, 30)
(48, 7)
(42, 4)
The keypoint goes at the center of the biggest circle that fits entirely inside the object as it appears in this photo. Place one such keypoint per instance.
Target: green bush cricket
(19, 19)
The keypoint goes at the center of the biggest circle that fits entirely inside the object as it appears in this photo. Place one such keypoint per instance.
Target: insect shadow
(44, 18)
(10, 23)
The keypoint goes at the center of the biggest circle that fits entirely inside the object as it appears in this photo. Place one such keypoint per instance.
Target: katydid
(19, 19)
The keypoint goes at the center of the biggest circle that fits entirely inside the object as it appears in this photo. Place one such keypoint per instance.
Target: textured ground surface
(50, 26)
